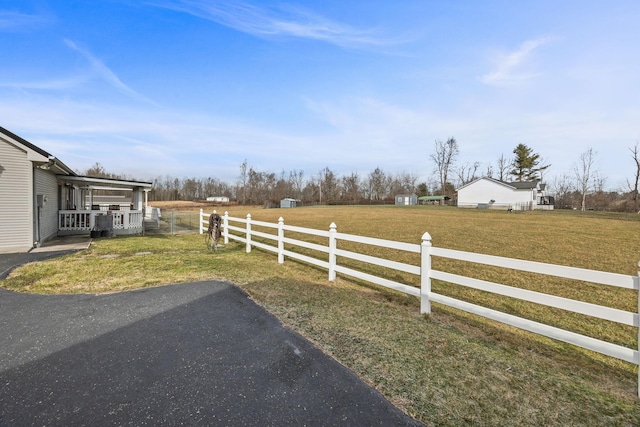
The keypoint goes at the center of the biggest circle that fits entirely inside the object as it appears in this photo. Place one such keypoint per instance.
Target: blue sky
(192, 88)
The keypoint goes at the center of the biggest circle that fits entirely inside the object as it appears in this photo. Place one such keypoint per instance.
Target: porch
(122, 222)
(107, 206)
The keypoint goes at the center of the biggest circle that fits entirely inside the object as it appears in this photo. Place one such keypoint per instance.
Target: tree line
(582, 188)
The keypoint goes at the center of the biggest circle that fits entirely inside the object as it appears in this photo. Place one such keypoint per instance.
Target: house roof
(105, 183)
(45, 159)
(518, 185)
(523, 185)
(24, 142)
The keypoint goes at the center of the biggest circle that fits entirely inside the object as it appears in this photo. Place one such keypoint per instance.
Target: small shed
(288, 203)
(406, 199)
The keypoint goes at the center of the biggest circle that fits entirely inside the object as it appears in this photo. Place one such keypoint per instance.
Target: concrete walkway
(51, 249)
(193, 354)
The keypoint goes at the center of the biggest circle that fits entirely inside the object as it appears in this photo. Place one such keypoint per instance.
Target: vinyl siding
(46, 184)
(16, 189)
(483, 191)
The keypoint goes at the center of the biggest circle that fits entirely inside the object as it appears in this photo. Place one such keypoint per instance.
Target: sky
(192, 88)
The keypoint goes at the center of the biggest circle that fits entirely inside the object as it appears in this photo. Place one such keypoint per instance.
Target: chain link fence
(174, 222)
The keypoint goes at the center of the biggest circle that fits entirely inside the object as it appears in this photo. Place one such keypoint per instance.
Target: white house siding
(483, 191)
(46, 184)
(16, 188)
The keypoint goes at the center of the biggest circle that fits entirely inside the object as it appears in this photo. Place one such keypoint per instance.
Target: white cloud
(358, 135)
(53, 85)
(106, 74)
(511, 68)
(16, 21)
(286, 21)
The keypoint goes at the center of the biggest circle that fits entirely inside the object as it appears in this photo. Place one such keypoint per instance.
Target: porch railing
(83, 221)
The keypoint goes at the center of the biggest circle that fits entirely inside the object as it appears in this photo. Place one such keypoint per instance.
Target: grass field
(448, 368)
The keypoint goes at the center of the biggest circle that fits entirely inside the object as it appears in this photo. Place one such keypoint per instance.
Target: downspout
(36, 210)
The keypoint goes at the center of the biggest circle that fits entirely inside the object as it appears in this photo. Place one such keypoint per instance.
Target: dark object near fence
(103, 226)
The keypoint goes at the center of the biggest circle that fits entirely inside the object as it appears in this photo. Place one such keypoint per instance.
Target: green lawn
(448, 368)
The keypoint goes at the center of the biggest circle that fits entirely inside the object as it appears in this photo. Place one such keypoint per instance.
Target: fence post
(225, 227)
(248, 233)
(425, 274)
(638, 361)
(200, 221)
(332, 251)
(280, 240)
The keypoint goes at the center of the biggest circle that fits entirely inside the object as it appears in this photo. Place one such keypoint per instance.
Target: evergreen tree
(526, 164)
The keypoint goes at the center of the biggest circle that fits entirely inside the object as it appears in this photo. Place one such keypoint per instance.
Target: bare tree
(328, 182)
(296, 182)
(407, 181)
(444, 157)
(585, 174)
(351, 187)
(377, 181)
(562, 187)
(98, 171)
(467, 172)
(503, 167)
(242, 183)
(489, 172)
(635, 154)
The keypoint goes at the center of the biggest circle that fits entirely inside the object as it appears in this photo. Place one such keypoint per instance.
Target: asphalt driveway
(193, 354)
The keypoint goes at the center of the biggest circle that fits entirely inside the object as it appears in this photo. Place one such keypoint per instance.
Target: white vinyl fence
(426, 273)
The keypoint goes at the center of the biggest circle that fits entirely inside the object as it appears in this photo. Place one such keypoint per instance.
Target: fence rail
(425, 272)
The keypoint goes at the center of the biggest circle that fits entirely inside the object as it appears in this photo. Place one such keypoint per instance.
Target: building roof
(45, 160)
(24, 142)
(523, 185)
(432, 198)
(105, 183)
(518, 185)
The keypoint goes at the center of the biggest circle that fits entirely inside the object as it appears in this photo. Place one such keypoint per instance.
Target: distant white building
(220, 199)
(494, 194)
